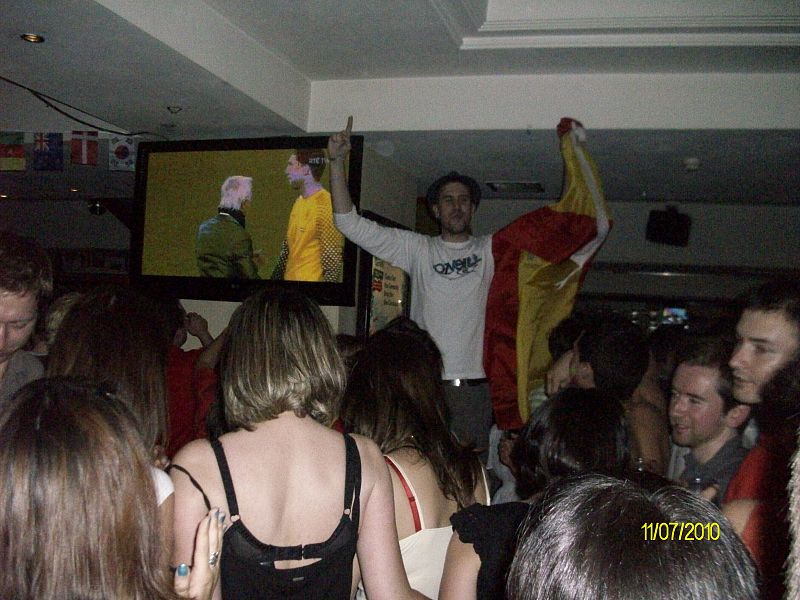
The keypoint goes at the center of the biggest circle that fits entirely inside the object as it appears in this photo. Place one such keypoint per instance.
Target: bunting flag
(84, 148)
(12, 151)
(541, 260)
(48, 151)
(121, 154)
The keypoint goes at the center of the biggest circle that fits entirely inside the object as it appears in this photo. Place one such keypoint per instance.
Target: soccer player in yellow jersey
(312, 250)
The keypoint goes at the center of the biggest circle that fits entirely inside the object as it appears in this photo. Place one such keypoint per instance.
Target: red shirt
(190, 392)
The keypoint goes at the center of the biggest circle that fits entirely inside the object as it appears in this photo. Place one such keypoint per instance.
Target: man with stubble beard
(765, 364)
(451, 274)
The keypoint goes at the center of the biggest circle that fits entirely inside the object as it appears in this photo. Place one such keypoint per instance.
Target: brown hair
(713, 352)
(281, 355)
(395, 397)
(116, 335)
(315, 159)
(24, 266)
(77, 498)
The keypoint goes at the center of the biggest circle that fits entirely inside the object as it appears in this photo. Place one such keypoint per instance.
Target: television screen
(217, 219)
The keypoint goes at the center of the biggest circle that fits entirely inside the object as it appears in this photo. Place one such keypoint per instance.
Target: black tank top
(248, 565)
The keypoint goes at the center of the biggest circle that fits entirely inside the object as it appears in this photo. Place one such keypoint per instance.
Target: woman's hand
(199, 581)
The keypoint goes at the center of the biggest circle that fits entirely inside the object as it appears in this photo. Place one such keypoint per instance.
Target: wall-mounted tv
(218, 219)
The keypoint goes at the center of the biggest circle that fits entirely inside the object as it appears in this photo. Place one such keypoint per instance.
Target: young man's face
(767, 340)
(295, 172)
(696, 410)
(454, 209)
(17, 321)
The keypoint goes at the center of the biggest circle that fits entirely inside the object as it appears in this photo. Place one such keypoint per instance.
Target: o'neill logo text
(458, 267)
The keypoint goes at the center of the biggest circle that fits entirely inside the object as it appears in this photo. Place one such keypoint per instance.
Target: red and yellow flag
(540, 262)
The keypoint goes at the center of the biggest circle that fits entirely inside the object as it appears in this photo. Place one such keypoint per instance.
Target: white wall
(749, 237)
(721, 235)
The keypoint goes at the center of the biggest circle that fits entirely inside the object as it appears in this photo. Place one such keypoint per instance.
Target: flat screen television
(189, 242)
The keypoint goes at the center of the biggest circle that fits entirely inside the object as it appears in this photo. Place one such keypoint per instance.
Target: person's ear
(435, 211)
(737, 416)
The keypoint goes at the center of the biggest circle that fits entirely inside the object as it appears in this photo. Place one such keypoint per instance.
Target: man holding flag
(455, 274)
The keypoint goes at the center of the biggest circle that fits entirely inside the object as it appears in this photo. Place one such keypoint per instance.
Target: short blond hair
(281, 355)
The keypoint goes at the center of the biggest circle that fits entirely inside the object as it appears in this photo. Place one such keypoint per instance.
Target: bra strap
(352, 479)
(412, 499)
(192, 480)
(227, 482)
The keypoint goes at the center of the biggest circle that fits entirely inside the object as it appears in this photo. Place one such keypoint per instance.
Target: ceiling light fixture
(74, 190)
(33, 38)
(3, 195)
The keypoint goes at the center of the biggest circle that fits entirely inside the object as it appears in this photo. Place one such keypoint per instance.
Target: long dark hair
(395, 397)
(116, 335)
(77, 498)
(575, 431)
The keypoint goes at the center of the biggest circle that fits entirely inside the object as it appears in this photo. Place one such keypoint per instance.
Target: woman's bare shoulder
(197, 457)
(368, 451)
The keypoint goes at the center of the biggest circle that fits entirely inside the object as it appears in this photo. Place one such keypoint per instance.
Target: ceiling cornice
(632, 40)
(774, 23)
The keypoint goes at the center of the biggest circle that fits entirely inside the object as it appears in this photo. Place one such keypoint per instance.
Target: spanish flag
(540, 262)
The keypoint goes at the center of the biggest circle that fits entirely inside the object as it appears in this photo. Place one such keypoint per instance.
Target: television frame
(368, 310)
(210, 288)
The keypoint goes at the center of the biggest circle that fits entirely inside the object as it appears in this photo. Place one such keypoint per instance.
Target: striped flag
(12, 151)
(84, 148)
(48, 151)
(540, 262)
(121, 154)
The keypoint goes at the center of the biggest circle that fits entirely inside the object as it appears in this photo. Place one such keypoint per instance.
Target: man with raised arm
(452, 274)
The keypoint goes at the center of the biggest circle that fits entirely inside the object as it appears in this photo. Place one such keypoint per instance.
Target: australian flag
(48, 152)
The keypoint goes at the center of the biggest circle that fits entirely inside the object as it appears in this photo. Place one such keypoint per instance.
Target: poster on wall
(383, 289)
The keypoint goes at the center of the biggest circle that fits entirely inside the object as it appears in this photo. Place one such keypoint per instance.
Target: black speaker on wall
(668, 227)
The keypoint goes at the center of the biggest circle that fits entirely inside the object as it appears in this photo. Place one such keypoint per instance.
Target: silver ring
(213, 559)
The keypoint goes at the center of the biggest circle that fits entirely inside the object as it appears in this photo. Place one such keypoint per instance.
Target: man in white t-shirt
(451, 274)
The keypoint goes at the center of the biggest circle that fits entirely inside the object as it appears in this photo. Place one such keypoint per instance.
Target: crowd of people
(282, 461)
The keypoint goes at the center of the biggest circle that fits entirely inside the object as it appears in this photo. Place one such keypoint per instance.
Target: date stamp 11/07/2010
(681, 531)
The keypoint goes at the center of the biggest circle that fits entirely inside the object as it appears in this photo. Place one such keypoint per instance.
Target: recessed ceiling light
(33, 38)
(3, 195)
(74, 190)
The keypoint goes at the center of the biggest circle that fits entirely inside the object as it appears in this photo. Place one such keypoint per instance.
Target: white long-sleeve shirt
(449, 286)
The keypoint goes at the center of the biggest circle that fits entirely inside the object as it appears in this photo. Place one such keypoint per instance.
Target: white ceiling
(435, 85)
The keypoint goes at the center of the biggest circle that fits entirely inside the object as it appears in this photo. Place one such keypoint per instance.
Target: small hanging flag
(121, 154)
(48, 151)
(84, 148)
(12, 151)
